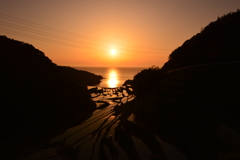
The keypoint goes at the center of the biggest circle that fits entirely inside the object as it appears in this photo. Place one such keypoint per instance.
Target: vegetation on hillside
(151, 75)
(192, 101)
(39, 99)
(217, 42)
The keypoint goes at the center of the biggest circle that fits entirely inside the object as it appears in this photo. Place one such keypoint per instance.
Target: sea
(113, 76)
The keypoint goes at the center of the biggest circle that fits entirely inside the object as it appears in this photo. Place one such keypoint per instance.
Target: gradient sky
(82, 32)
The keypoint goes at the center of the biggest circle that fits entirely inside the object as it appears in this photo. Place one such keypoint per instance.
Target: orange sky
(82, 32)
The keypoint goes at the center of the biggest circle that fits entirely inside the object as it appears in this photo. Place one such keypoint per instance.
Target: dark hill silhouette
(39, 99)
(81, 77)
(217, 42)
(144, 81)
(192, 101)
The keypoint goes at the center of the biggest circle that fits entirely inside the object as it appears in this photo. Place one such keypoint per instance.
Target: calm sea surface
(114, 77)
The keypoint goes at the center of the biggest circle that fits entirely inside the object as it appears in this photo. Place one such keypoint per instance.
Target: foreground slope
(192, 101)
(38, 99)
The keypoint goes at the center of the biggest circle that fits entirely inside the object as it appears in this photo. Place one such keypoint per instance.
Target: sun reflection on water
(112, 78)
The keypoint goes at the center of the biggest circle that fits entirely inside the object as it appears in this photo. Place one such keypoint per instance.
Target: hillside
(39, 99)
(81, 77)
(217, 42)
(192, 101)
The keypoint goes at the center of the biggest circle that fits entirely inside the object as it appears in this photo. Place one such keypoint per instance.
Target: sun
(113, 51)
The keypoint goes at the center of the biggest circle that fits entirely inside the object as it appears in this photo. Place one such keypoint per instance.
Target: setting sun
(113, 51)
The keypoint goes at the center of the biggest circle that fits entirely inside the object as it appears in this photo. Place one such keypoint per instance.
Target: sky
(109, 33)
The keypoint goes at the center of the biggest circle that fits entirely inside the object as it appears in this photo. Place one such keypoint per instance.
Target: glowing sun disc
(113, 51)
